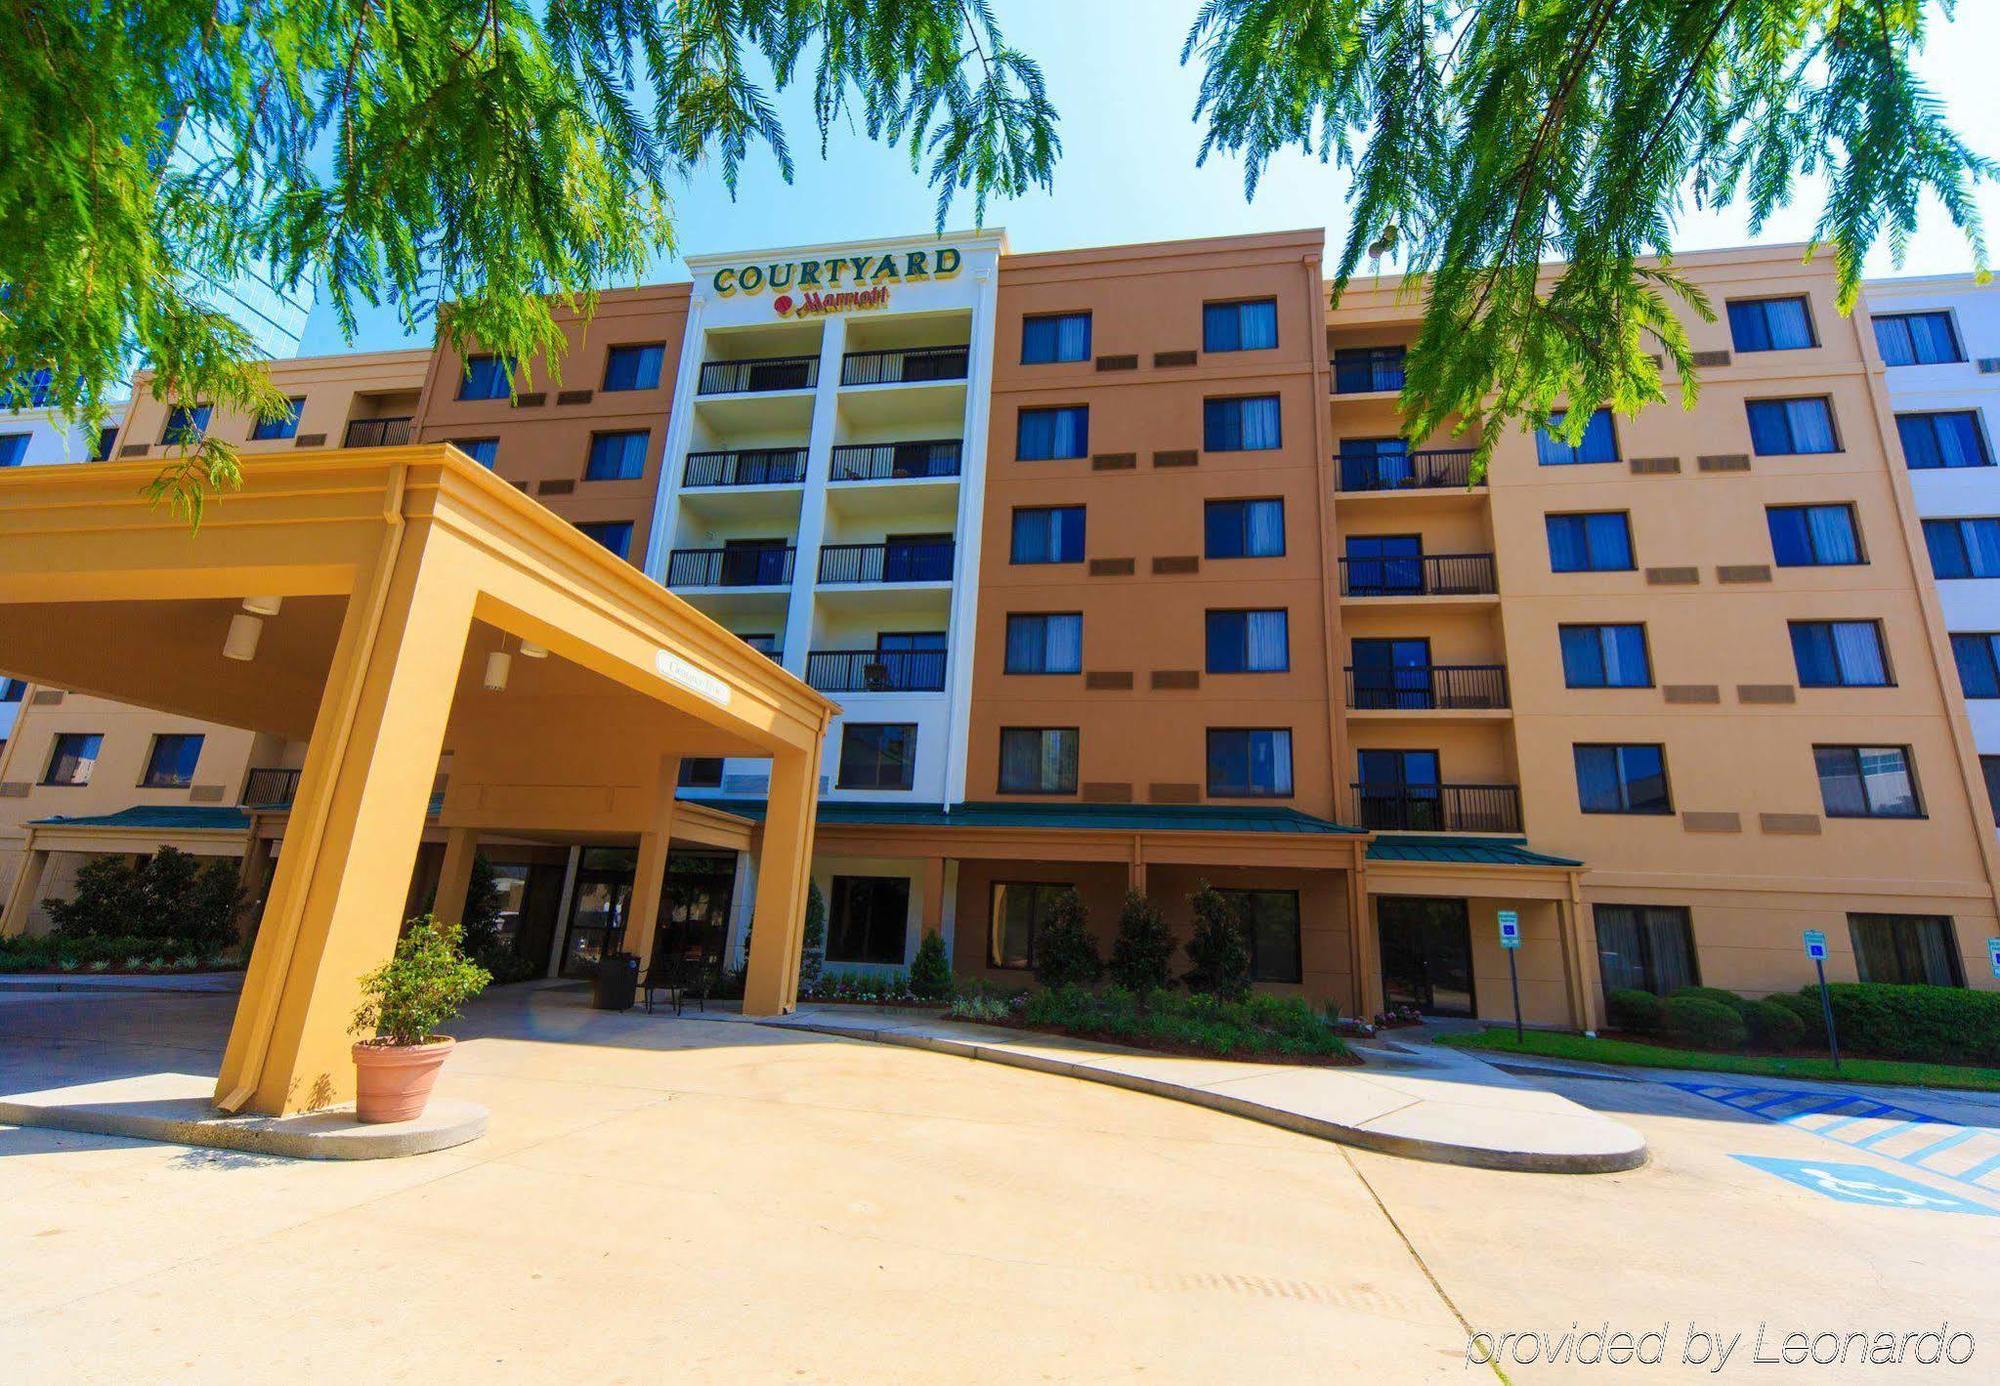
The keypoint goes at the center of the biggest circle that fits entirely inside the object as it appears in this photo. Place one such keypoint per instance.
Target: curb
(332, 1134)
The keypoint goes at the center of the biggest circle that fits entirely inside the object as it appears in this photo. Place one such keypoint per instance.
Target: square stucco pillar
(930, 919)
(784, 865)
(461, 846)
(649, 874)
(27, 890)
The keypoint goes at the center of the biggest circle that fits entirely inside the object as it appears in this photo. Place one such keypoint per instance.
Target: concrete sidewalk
(1423, 1103)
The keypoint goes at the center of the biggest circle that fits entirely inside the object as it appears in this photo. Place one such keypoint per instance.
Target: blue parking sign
(1510, 928)
(1816, 944)
(1993, 954)
(1850, 1183)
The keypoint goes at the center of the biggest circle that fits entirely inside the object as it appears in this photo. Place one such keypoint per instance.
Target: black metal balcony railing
(758, 376)
(876, 671)
(1440, 808)
(903, 366)
(884, 461)
(1366, 370)
(740, 567)
(1407, 471)
(1429, 575)
(754, 467)
(377, 433)
(928, 561)
(1437, 687)
(270, 787)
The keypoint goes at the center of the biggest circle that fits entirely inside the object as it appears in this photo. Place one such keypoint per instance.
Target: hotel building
(1123, 577)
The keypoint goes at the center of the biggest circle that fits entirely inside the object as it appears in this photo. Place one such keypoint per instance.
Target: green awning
(158, 818)
(1463, 851)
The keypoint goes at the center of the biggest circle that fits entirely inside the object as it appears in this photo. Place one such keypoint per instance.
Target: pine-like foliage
(1142, 952)
(1219, 949)
(930, 970)
(1065, 953)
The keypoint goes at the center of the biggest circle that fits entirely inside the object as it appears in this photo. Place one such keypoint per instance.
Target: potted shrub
(406, 1000)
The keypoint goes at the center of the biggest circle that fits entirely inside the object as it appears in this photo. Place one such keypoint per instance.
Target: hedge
(1701, 1023)
(1951, 1025)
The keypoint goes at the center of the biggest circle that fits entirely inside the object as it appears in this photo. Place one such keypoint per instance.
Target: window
(1045, 644)
(1770, 324)
(1047, 338)
(1375, 464)
(1249, 642)
(1786, 427)
(1605, 656)
(1271, 925)
(1020, 908)
(617, 456)
(1399, 789)
(486, 377)
(1964, 548)
(1048, 534)
(1905, 949)
(1866, 782)
(1392, 674)
(615, 535)
(171, 763)
(13, 449)
(1244, 528)
(1240, 425)
(878, 755)
(1366, 370)
(74, 757)
(13, 690)
(1043, 435)
(763, 642)
(1595, 542)
(1952, 438)
(1840, 654)
(264, 430)
(867, 920)
(1989, 770)
(1978, 664)
(1645, 947)
(484, 451)
(1038, 760)
(107, 439)
(1600, 442)
(634, 367)
(701, 772)
(1251, 325)
(1384, 565)
(186, 423)
(1250, 763)
(1916, 339)
(1813, 536)
(1622, 779)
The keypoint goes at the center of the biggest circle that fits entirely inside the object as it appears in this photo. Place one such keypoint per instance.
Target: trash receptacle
(617, 982)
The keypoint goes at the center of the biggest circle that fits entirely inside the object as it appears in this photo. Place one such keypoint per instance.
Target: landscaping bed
(1253, 1029)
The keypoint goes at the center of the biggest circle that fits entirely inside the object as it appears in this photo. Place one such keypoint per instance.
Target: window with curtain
(73, 758)
(186, 423)
(1622, 779)
(617, 456)
(1047, 338)
(867, 920)
(1045, 435)
(1978, 658)
(484, 451)
(1813, 536)
(1840, 654)
(1365, 370)
(13, 449)
(1791, 427)
(1271, 927)
(1989, 771)
(13, 690)
(615, 535)
(1866, 782)
(1020, 908)
(1249, 762)
(1045, 643)
(1240, 425)
(1905, 949)
(1964, 548)
(284, 426)
(878, 755)
(1047, 534)
(1605, 656)
(1600, 442)
(1379, 565)
(1392, 673)
(1038, 760)
(1917, 339)
(1645, 948)
(1950, 438)
(634, 367)
(1251, 325)
(1770, 324)
(486, 377)
(1593, 542)
(1248, 642)
(1374, 464)
(170, 764)
(1244, 528)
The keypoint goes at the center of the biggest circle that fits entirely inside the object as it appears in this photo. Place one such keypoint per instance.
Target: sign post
(1510, 939)
(1816, 950)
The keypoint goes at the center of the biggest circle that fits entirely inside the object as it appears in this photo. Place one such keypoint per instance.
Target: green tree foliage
(181, 903)
(502, 157)
(1142, 952)
(812, 942)
(930, 970)
(1219, 949)
(423, 987)
(482, 909)
(1065, 953)
(1485, 137)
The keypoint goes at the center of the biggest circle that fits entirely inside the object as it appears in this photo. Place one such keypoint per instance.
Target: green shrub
(1200, 1021)
(1951, 1025)
(1219, 949)
(169, 900)
(812, 942)
(422, 987)
(1702, 1023)
(1772, 1026)
(1718, 995)
(1065, 953)
(1142, 954)
(1635, 1012)
(930, 970)
(980, 1008)
(1805, 1005)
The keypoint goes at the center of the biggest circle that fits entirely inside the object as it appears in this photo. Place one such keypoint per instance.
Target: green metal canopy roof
(157, 818)
(1463, 851)
(1185, 818)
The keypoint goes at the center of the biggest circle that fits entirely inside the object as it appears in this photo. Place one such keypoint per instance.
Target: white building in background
(1939, 337)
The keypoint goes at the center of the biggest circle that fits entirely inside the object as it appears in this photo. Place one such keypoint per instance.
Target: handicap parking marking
(1877, 1188)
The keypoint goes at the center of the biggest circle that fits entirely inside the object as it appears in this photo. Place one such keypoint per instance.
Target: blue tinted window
(1600, 443)
(286, 427)
(185, 423)
(1866, 782)
(615, 535)
(1043, 435)
(1251, 326)
(617, 456)
(1045, 643)
(1839, 654)
(73, 758)
(1622, 779)
(1246, 763)
(1590, 543)
(484, 451)
(171, 764)
(1964, 548)
(1048, 534)
(1770, 324)
(1241, 425)
(1245, 528)
(634, 367)
(13, 449)
(1362, 370)
(1951, 439)
(1917, 339)
(1050, 337)
(1605, 657)
(1811, 536)
(1248, 642)
(1978, 670)
(1787, 427)
(486, 377)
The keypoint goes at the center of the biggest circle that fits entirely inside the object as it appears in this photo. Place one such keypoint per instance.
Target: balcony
(1430, 575)
(731, 567)
(904, 365)
(760, 375)
(1434, 468)
(876, 671)
(270, 787)
(896, 561)
(938, 457)
(751, 467)
(1367, 370)
(1436, 688)
(1440, 808)
(377, 433)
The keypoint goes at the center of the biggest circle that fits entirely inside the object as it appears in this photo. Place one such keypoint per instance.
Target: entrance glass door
(1426, 954)
(694, 908)
(597, 910)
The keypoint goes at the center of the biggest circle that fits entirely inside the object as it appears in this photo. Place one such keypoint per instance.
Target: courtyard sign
(838, 283)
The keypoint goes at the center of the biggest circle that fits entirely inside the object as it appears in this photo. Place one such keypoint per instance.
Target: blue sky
(1128, 167)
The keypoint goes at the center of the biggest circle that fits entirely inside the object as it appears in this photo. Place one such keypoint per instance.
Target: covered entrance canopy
(385, 581)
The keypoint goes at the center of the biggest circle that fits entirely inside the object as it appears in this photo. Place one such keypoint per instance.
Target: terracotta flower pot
(393, 1082)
